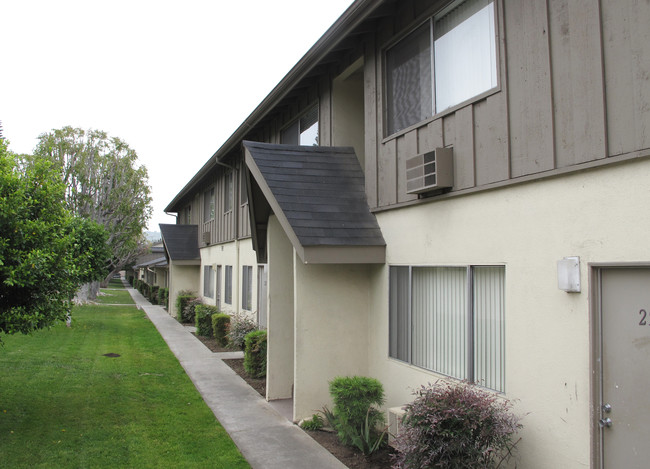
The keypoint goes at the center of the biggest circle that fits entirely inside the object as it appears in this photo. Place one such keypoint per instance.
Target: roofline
(349, 20)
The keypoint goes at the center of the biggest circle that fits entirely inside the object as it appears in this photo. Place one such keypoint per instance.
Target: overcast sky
(172, 79)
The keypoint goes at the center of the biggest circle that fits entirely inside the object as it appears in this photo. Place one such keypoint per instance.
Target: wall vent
(395, 415)
(430, 171)
(207, 236)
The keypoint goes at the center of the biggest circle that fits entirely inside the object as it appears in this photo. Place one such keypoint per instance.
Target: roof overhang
(181, 244)
(351, 19)
(329, 224)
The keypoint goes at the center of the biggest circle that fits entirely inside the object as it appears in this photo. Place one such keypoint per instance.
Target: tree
(104, 184)
(39, 246)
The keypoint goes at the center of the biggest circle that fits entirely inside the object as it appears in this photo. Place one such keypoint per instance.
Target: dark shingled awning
(319, 197)
(181, 243)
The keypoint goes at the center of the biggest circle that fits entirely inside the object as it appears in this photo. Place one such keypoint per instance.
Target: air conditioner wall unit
(207, 237)
(395, 416)
(430, 171)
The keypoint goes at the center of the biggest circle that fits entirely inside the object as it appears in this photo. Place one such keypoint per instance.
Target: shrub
(203, 318)
(183, 298)
(353, 411)
(316, 422)
(239, 326)
(220, 323)
(255, 354)
(163, 296)
(189, 313)
(456, 425)
(153, 294)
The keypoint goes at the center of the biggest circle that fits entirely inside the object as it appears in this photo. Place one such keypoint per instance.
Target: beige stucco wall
(331, 334)
(181, 277)
(600, 215)
(237, 254)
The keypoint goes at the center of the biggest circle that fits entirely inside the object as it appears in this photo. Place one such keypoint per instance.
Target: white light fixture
(568, 274)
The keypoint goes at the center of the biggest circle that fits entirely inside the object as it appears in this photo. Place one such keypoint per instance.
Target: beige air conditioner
(207, 235)
(395, 416)
(430, 171)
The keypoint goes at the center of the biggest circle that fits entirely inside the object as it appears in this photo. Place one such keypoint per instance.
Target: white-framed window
(243, 189)
(208, 281)
(302, 131)
(228, 192)
(247, 287)
(208, 205)
(446, 61)
(450, 320)
(228, 285)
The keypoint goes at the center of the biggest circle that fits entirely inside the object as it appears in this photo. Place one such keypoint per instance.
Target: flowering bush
(456, 425)
(239, 326)
(188, 315)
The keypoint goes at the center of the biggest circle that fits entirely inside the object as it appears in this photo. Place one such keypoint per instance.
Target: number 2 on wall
(643, 314)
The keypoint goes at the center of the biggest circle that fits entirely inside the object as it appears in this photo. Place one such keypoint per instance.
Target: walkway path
(265, 438)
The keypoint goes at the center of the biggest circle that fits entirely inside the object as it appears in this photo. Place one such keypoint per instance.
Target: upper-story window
(229, 192)
(303, 131)
(208, 205)
(188, 215)
(448, 60)
(243, 189)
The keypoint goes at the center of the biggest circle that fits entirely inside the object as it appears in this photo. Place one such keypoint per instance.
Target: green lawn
(64, 404)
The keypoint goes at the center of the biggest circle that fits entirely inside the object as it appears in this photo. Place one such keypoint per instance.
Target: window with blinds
(228, 285)
(450, 320)
(228, 195)
(247, 288)
(208, 205)
(447, 60)
(208, 281)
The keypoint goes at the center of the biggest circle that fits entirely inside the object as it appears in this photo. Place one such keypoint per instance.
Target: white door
(623, 412)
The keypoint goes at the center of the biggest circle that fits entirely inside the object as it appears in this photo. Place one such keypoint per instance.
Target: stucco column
(280, 327)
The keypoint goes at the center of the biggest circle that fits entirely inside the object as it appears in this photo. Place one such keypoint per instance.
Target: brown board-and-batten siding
(566, 96)
(223, 227)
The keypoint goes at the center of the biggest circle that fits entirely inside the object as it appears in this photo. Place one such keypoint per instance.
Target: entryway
(622, 367)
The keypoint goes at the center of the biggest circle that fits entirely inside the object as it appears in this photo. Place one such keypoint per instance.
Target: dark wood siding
(574, 87)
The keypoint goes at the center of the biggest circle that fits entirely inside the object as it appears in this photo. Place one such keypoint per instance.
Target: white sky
(173, 79)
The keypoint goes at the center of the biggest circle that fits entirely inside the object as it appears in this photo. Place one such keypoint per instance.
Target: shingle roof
(158, 262)
(181, 241)
(318, 190)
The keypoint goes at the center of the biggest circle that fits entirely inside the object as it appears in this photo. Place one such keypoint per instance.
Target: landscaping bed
(351, 457)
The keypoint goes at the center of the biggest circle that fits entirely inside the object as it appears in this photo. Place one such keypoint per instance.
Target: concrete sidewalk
(265, 438)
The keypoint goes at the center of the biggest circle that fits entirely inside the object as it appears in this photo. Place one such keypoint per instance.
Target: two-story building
(449, 190)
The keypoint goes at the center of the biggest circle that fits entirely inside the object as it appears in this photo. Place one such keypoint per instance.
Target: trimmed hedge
(181, 302)
(153, 294)
(255, 354)
(203, 319)
(354, 398)
(163, 296)
(220, 323)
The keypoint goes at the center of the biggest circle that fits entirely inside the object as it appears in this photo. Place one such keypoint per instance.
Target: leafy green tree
(105, 184)
(90, 249)
(38, 270)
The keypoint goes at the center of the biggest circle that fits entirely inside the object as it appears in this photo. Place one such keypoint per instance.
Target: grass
(64, 404)
(112, 296)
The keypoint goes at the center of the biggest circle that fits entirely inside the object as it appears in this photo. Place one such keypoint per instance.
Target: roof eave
(346, 23)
